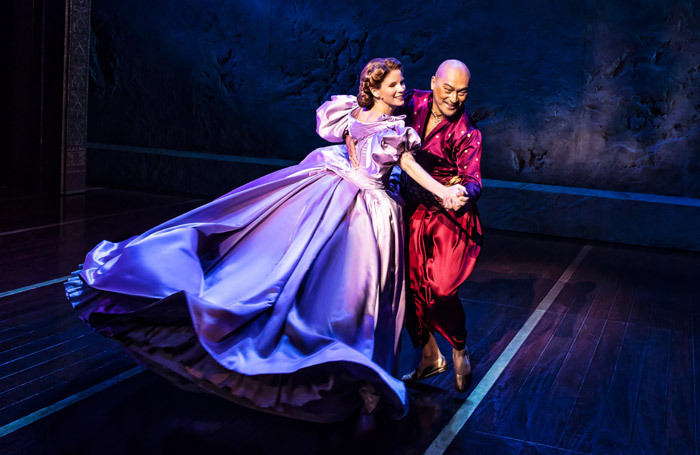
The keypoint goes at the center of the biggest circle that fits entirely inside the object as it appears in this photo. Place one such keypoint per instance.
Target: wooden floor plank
(680, 420)
(585, 418)
(476, 443)
(62, 384)
(491, 346)
(56, 379)
(45, 304)
(603, 271)
(630, 280)
(499, 401)
(640, 313)
(52, 296)
(517, 423)
(549, 411)
(48, 365)
(620, 403)
(48, 341)
(35, 329)
(17, 446)
(648, 433)
(38, 313)
(39, 357)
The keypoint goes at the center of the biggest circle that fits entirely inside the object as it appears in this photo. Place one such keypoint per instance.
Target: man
(442, 246)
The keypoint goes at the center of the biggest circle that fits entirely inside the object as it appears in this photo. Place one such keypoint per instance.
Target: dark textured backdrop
(593, 94)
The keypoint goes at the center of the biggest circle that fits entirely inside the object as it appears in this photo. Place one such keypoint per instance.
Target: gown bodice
(379, 143)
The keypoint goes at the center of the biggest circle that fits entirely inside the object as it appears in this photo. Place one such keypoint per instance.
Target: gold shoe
(463, 381)
(437, 367)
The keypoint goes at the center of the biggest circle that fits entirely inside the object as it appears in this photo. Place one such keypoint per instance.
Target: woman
(286, 294)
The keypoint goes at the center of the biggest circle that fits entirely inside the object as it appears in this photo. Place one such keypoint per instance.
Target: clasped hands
(455, 197)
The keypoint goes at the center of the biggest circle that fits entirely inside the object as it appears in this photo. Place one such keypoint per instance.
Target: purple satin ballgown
(285, 295)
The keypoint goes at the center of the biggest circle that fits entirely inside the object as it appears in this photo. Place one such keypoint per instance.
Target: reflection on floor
(610, 368)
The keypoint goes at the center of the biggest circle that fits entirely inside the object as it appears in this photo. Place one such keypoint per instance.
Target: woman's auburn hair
(372, 76)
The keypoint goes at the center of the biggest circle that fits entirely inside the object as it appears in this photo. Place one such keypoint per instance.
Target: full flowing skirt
(285, 295)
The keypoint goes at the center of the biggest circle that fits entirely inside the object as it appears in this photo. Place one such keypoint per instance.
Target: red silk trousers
(442, 252)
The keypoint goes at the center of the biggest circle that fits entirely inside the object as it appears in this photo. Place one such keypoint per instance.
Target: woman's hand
(352, 151)
(454, 197)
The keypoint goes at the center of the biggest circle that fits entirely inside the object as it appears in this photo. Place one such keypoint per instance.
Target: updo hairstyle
(372, 76)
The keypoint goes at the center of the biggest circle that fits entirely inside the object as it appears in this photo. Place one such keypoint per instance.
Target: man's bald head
(450, 86)
(453, 68)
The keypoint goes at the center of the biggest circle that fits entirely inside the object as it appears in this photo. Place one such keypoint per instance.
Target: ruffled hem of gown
(159, 334)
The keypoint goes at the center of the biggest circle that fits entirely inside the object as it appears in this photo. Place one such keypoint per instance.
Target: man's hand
(352, 152)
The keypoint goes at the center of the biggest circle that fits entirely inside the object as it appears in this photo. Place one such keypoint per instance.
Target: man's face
(449, 91)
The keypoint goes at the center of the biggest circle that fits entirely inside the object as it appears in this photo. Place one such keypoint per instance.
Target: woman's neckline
(381, 118)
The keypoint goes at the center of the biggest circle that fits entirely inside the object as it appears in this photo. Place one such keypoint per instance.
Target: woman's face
(392, 88)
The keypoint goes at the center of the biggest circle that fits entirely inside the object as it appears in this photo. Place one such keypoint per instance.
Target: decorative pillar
(75, 96)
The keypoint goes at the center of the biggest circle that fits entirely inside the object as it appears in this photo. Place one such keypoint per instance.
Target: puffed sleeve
(468, 158)
(332, 117)
(394, 142)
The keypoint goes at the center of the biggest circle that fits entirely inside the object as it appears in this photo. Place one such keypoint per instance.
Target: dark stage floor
(596, 345)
